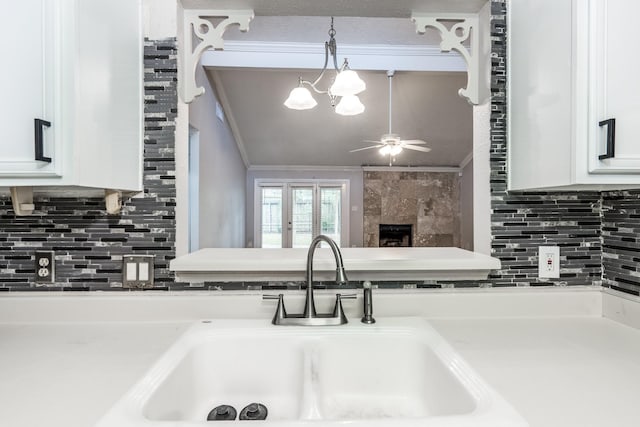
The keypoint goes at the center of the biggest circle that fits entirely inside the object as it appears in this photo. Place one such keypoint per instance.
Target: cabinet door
(108, 127)
(28, 79)
(540, 99)
(614, 86)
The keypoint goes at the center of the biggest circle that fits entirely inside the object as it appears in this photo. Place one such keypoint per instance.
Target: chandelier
(346, 85)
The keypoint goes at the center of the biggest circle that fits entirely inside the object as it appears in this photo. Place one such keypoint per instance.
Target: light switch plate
(137, 271)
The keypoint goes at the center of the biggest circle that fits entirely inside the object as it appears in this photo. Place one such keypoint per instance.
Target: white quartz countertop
(558, 362)
(212, 264)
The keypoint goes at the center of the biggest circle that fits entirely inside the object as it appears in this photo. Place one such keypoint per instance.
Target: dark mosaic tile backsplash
(597, 232)
(621, 240)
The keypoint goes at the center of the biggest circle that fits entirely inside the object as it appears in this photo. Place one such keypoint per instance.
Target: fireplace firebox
(395, 235)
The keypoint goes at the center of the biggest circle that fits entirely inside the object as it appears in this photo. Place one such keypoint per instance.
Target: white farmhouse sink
(397, 372)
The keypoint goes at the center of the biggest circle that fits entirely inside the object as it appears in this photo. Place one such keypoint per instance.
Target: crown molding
(466, 160)
(444, 169)
(310, 55)
(304, 168)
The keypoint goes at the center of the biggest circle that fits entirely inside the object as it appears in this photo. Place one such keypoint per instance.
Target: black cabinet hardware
(39, 133)
(611, 138)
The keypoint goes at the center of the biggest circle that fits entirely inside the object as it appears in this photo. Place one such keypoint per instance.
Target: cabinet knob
(611, 138)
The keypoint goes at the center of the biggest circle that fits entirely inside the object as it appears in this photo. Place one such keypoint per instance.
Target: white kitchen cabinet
(29, 72)
(77, 64)
(570, 70)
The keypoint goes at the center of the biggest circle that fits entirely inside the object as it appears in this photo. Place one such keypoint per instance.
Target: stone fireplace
(429, 202)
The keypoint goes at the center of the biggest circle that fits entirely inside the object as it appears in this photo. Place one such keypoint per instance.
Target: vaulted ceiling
(425, 106)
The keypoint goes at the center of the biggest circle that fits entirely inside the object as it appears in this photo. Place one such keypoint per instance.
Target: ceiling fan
(390, 143)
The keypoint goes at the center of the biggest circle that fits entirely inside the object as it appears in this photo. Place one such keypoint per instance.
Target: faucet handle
(347, 296)
(281, 313)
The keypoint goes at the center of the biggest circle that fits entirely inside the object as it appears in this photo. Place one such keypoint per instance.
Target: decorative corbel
(197, 24)
(22, 200)
(464, 27)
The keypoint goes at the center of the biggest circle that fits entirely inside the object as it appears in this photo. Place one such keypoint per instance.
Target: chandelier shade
(349, 105)
(300, 99)
(347, 83)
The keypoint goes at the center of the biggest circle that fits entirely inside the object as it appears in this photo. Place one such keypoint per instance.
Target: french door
(291, 214)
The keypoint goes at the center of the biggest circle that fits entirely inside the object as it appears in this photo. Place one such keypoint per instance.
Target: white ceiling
(367, 8)
(349, 30)
(425, 106)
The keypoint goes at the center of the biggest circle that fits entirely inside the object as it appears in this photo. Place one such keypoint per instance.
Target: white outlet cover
(549, 262)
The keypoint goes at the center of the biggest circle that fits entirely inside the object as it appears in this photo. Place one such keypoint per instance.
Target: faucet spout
(309, 317)
(341, 275)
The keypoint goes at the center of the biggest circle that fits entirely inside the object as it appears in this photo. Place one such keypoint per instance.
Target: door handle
(39, 139)
(611, 138)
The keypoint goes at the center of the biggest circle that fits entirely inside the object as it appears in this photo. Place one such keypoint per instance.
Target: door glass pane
(330, 213)
(271, 227)
(301, 217)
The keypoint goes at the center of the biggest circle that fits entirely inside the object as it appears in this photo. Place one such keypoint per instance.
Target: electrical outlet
(45, 266)
(549, 262)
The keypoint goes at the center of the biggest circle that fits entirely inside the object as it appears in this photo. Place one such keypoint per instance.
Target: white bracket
(197, 24)
(22, 200)
(464, 27)
(113, 201)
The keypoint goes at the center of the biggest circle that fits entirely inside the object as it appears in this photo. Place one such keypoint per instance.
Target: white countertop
(245, 264)
(551, 354)
(556, 372)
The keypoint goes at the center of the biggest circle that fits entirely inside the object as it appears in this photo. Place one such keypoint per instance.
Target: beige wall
(222, 175)
(430, 201)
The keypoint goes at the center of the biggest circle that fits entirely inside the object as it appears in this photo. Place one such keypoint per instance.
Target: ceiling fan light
(300, 99)
(349, 105)
(347, 83)
(385, 150)
(395, 150)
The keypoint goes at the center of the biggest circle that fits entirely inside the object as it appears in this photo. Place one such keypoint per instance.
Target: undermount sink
(398, 372)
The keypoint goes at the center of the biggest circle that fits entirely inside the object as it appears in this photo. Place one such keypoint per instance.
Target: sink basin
(398, 372)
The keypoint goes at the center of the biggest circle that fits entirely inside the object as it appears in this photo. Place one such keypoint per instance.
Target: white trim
(287, 185)
(621, 307)
(466, 161)
(228, 112)
(345, 49)
(188, 306)
(310, 56)
(257, 210)
(304, 168)
(450, 169)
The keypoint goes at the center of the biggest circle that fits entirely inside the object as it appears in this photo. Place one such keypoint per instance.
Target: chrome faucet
(309, 316)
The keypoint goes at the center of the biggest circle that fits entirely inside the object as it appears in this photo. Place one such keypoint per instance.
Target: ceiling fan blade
(413, 147)
(370, 140)
(413, 141)
(365, 148)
